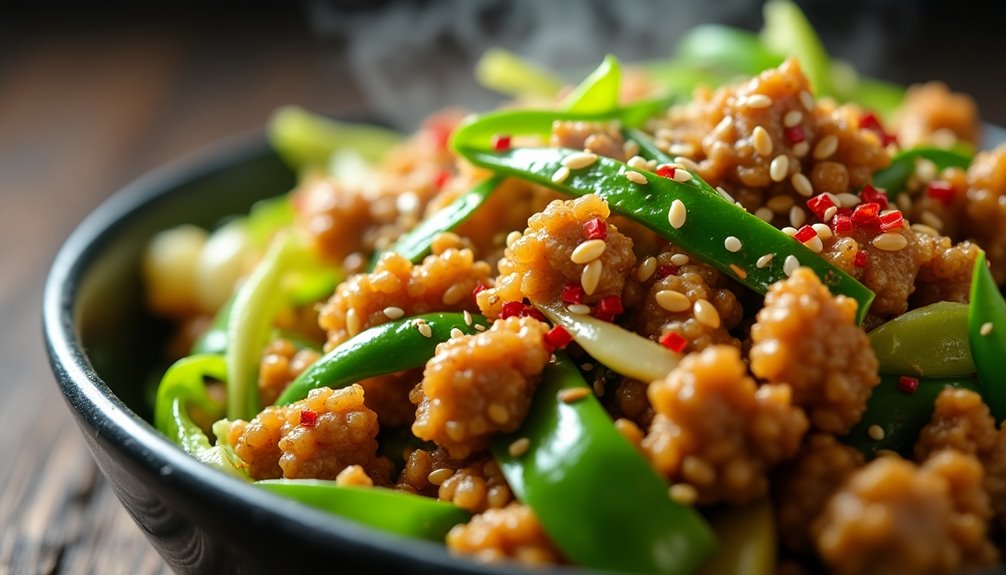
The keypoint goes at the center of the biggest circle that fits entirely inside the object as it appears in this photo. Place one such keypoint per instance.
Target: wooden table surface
(87, 103)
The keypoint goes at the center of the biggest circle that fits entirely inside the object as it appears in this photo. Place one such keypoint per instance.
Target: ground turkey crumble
(717, 431)
(933, 115)
(808, 338)
(442, 282)
(477, 385)
(281, 363)
(538, 266)
(314, 438)
(984, 218)
(892, 518)
(512, 533)
(475, 485)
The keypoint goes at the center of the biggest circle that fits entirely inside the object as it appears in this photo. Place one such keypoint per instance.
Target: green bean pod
(392, 511)
(987, 334)
(895, 176)
(380, 350)
(747, 540)
(566, 475)
(930, 341)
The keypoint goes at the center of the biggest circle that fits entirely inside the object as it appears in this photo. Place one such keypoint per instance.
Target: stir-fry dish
(735, 312)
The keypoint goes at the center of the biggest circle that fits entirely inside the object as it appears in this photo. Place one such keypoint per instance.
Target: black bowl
(103, 348)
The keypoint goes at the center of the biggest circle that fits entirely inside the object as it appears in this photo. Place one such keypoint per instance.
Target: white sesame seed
(578, 308)
(681, 175)
(800, 149)
(724, 194)
(683, 494)
(706, 314)
(931, 220)
(825, 147)
(677, 214)
(790, 265)
(830, 213)
(924, 229)
(468, 317)
(636, 178)
(588, 251)
(764, 261)
(732, 244)
(353, 322)
(455, 332)
(779, 167)
(438, 476)
(560, 175)
(802, 185)
(814, 244)
(904, 201)
(672, 301)
(646, 269)
(681, 149)
(758, 101)
(780, 203)
(792, 118)
(686, 163)
(846, 200)
(637, 163)
(986, 328)
(789, 231)
(720, 130)
(393, 312)
(519, 447)
(890, 242)
(454, 294)
(797, 216)
(764, 213)
(807, 100)
(572, 394)
(578, 160)
(630, 148)
(591, 276)
(875, 432)
(424, 329)
(479, 327)
(598, 384)
(761, 141)
(680, 259)
(823, 231)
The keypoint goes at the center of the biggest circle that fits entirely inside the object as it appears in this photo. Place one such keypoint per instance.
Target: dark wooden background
(92, 98)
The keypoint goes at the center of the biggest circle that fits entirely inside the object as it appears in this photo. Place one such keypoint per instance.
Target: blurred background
(94, 94)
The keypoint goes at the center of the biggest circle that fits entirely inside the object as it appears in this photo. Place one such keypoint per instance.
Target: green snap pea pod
(987, 334)
(787, 32)
(214, 339)
(396, 512)
(900, 414)
(894, 177)
(268, 216)
(304, 139)
(598, 92)
(930, 341)
(747, 540)
(182, 388)
(709, 219)
(380, 350)
(507, 73)
(566, 475)
(731, 50)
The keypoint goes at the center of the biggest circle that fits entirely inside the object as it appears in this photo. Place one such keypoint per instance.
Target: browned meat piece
(480, 384)
(802, 487)
(281, 363)
(419, 464)
(512, 533)
(717, 431)
(538, 265)
(893, 518)
(316, 437)
(477, 487)
(945, 274)
(444, 281)
(629, 400)
(984, 219)
(602, 139)
(808, 338)
(932, 114)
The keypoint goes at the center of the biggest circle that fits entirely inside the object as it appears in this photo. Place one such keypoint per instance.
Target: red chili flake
(441, 179)
(557, 338)
(865, 215)
(819, 204)
(941, 191)
(908, 384)
(666, 172)
(440, 133)
(531, 311)
(869, 121)
(893, 220)
(666, 270)
(572, 293)
(595, 229)
(805, 234)
(610, 305)
(860, 260)
(501, 142)
(673, 341)
(308, 418)
(479, 287)
(794, 134)
(512, 309)
(842, 223)
(869, 194)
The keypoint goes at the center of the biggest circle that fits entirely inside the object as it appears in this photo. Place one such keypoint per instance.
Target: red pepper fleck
(479, 288)
(859, 260)
(595, 229)
(842, 223)
(531, 311)
(819, 204)
(891, 221)
(673, 341)
(666, 270)
(869, 194)
(610, 304)
(869, 121)
(666, 172)
(941, 191)
(572, 293)
(512, 309)
(501, 142)
(440, 133)
(794, 134)
(805, 234)
(557, 338)
(908, 384)
(441, 179)
(865, 215)
(308, 418)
